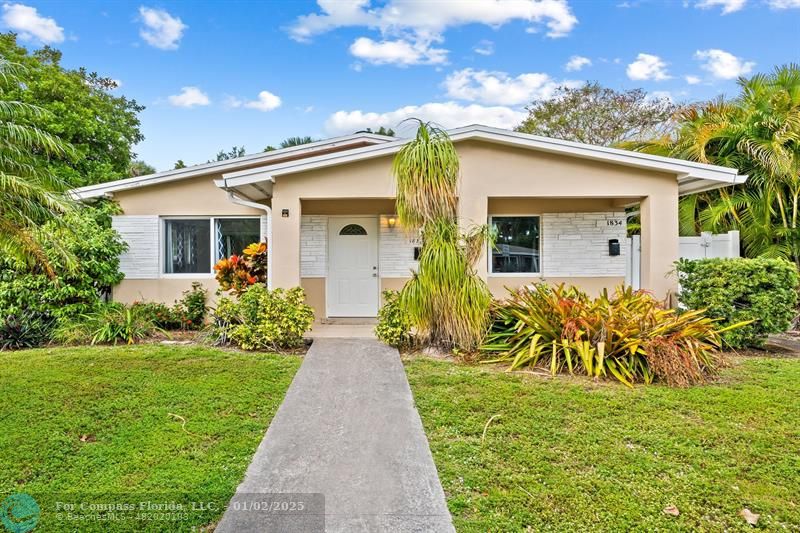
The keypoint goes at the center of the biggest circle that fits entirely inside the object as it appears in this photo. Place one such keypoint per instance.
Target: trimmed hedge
(733, 290)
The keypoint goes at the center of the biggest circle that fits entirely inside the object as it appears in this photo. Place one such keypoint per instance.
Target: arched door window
(353, 229)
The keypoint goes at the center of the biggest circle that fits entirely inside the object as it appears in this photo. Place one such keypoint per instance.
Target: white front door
(352, 267)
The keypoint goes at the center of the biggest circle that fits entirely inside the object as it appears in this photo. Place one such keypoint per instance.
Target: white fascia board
(244, 177)
(722, 175)
(696, 185)
(101, 189)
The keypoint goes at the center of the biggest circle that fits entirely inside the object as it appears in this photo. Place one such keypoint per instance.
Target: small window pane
(517, 246)
(187, 246)
(353, 229)
(233, 235)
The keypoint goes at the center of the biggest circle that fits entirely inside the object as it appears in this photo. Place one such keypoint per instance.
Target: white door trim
(371, 271)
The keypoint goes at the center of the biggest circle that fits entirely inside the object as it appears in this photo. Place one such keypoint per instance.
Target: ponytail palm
(29, 195)
(447, 301)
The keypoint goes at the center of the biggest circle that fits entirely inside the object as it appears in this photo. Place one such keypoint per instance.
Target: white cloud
(266, 101)
(784, 4)
(430, 19)
(29, 24)
(648, 67)
(445, 114)
(399, 52)
(722, 64)
(408, 28)
(692, 80)
(499, 88)
(189, 97)
(485, 47)
(576, 63)
(728, 6)
(161, 29)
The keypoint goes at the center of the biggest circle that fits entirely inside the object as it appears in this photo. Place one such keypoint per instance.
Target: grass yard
(568, 454)
(99, 421)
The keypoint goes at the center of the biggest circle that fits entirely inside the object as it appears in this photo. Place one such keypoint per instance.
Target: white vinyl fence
(705, 246)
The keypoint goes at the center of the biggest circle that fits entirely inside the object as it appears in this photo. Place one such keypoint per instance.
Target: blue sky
(217, 74)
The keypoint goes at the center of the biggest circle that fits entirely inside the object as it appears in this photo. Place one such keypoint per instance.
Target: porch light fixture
(391, 221)
(285, 213)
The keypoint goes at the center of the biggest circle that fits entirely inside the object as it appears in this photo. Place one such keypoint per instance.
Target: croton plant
(238, 272)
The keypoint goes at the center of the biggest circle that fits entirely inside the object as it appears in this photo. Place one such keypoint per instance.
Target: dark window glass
(353, 229)
(187, 246)
(517, 245)
(233, 235)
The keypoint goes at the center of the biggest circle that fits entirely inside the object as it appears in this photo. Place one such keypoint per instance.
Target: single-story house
(327, 211)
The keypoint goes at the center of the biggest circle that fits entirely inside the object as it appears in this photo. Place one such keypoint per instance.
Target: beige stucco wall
(196, 196)
(503, 179)
(165, 290)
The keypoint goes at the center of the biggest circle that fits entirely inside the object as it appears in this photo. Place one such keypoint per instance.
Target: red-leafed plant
(238, 272)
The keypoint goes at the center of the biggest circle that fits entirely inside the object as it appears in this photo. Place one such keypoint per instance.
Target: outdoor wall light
(285, 213)
(391, 221)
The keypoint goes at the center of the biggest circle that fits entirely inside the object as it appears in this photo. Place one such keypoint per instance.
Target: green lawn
(567, 454)
(97, 421)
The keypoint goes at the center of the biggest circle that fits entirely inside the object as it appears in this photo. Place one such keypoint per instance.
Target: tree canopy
(30, 194)
(598, 115)
(222, 155)
(380, 131)
(82, 111)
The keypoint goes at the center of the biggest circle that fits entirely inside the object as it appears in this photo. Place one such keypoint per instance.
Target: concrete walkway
(347, 429)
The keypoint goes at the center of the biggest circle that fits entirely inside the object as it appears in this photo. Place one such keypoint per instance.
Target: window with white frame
(516, 249)
(192, 245)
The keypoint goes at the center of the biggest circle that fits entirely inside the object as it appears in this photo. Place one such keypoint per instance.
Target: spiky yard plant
(29, 195)
(446, 300)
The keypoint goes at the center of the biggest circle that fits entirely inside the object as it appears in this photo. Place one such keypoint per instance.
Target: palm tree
(30, 196)
(446, 300)
(759, 133)
(296, 141)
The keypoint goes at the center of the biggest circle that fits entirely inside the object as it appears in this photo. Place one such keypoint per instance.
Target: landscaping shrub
(95, 246)
(188, 313)
(160, 314)
(394, 324)
(628, 335)
(238, 272)
(734, 290)
(27, 329)
(109, 324)
(262, 319)
(192, 308)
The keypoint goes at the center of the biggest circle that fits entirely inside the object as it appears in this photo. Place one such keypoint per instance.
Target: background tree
(296, 141)
(179, 164)
(102, 128)
(758, 132)
(598, 115)
(30, 194)
(140, 168)
(380, 131)
(233, 153)
(446, 300)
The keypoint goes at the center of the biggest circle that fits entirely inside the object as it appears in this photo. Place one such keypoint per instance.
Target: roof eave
(102, 189)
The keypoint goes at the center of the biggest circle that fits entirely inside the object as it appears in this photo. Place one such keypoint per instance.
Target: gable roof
(692, 177)
(232, 165)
